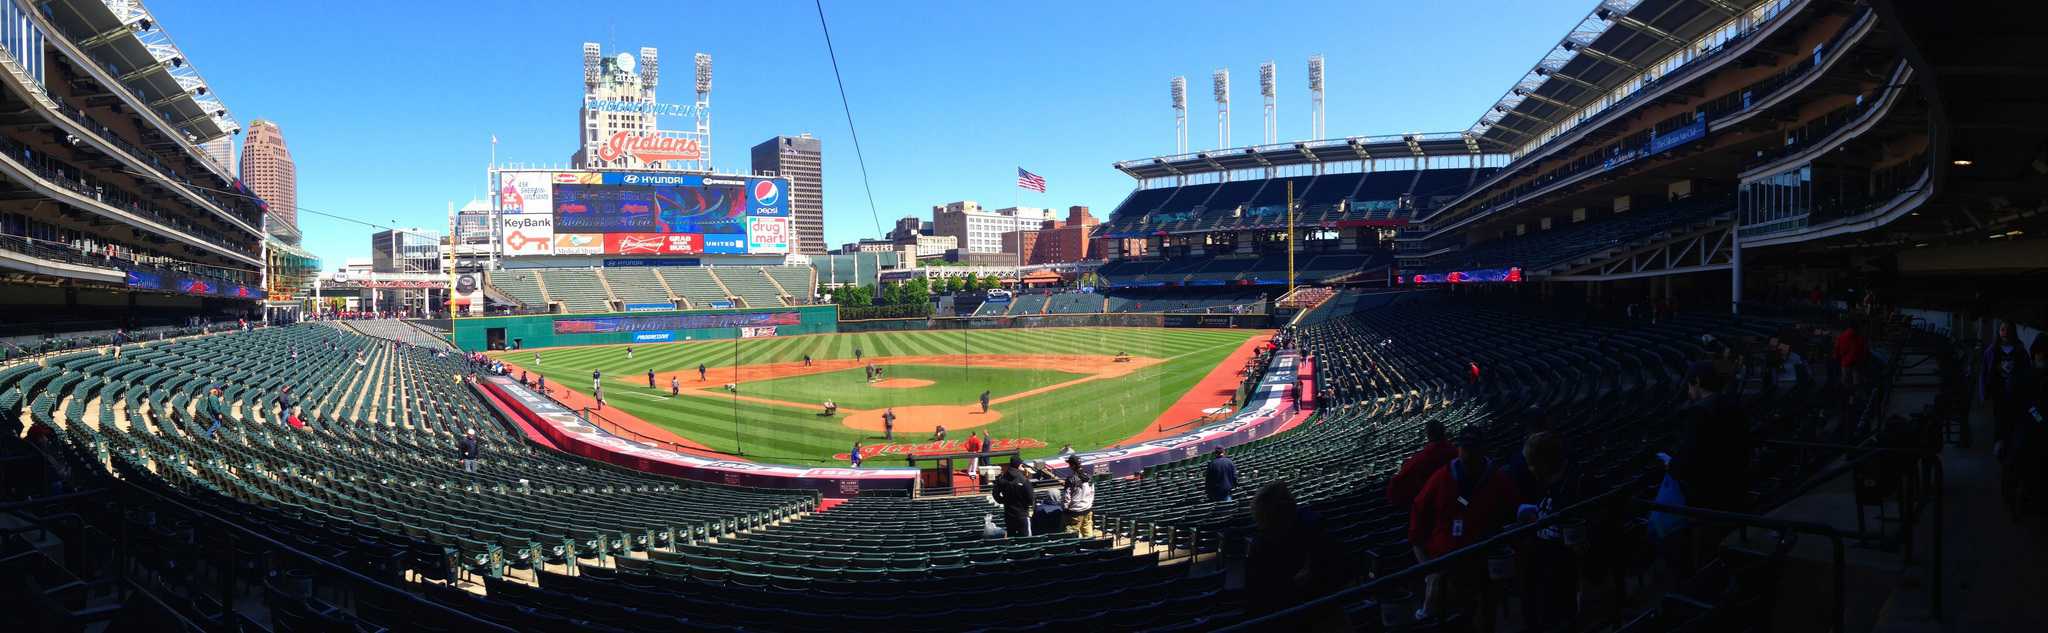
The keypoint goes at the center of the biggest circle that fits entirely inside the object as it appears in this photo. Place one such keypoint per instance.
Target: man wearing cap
(889, 423)
(1013, 492)
(467, 448)
(1465, 502)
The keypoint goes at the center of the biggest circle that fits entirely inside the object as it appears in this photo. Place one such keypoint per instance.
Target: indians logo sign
(650, 148)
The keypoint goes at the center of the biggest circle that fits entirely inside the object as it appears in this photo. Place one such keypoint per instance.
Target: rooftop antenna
(1222, 90)
(1266, 75)
(1180, 115)
(1315, 96)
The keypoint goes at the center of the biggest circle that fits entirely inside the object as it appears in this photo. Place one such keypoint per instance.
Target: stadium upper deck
(104, 185)
(1656, 138)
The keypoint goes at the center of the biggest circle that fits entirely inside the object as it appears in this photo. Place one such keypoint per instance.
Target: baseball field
(1046, 388)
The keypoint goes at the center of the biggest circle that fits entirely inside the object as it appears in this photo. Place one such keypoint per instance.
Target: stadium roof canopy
(1616, 42)
(128, 42)
(1304, 153)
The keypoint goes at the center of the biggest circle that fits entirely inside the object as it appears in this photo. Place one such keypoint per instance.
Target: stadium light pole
(1315, 96)
(1180, 115)
(1267, 77)
(1221, 89)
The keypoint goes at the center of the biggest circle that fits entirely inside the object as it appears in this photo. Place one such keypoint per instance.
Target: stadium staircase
(751, 284)
(523, 286)
(796, 282)
(637, 284)
(697, 285)
(577, 289)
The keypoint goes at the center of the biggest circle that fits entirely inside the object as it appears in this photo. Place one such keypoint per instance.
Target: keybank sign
(642, 107)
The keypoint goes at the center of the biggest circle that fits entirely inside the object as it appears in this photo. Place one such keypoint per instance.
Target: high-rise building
(801, 160)
(268, 171)
(222, 151)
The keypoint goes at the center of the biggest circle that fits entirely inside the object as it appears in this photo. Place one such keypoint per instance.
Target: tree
(919, 290)
(951, 285)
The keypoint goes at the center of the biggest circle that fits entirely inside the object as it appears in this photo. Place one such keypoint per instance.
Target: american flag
(1028, 180)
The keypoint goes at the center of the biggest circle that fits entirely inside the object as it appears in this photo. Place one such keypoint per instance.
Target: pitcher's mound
(923, 418)
(901, 383)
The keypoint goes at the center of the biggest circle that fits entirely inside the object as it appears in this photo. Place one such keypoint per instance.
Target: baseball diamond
(1048, 388)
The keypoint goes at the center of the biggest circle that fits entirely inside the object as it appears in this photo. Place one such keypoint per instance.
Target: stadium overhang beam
(1640, 27)
(1689, 251)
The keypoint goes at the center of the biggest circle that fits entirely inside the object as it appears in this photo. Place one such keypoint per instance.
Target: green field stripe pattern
(1087, 415)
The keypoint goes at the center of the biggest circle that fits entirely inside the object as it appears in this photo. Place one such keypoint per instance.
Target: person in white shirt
(1077, 499)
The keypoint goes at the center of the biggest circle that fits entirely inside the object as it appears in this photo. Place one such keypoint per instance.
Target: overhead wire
(844, 105)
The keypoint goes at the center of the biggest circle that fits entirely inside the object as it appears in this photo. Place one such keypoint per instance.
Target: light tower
(1266, 90)
(1180, 115)
(1315, 96)
(704, 105)
(1222, 89)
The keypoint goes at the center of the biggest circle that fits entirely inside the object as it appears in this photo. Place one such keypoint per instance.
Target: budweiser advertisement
(528, 234)
(651, 147)
(653, 243)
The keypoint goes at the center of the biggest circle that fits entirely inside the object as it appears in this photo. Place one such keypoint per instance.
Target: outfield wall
(1258, 321)
(559, 330)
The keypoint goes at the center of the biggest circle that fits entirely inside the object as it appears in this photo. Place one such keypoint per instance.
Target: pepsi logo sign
(766, 192)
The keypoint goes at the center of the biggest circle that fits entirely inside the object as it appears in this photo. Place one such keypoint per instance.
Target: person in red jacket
(1465, 502)
(974, 463)
(1407, 482)
(1850, 351)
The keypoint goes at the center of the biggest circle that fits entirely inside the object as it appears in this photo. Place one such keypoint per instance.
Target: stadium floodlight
(1315, 96)
(1266, 77)
(1221, 87)
(1180, 115)
(591, 55)
(650, 67)
(703, 74)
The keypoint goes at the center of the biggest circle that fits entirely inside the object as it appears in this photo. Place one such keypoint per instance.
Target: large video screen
(647, 213)
(667, 203)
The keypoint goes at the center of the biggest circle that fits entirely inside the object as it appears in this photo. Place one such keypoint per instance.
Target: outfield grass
(1088, 415)
(951, 384)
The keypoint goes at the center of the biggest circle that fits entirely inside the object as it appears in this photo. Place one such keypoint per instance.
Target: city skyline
(938, 121)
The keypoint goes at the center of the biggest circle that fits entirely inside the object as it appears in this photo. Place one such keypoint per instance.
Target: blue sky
(389, 107)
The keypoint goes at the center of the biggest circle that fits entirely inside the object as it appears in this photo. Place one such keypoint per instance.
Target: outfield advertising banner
(528, 234)
(526, 191)
(725, 244)
(653, 337)
(768, 235)
(763, 331)
(650, 307)
(596, 325)
(579, 244)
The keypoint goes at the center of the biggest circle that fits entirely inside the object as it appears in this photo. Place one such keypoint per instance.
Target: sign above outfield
(645, 107)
